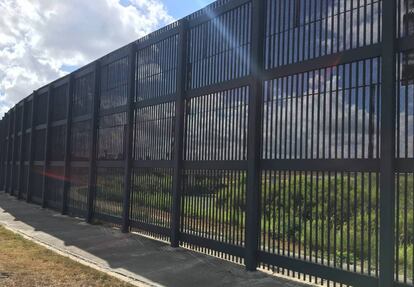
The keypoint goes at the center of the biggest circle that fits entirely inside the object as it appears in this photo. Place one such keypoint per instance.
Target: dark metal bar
(56, 164)
(66, 182)
(58, 123)
(31, 149)
(222, 86)
(324, 61)
(150, 228)
(388, 121)
(217, 165)
(12, 171)
(404, 165)
(154, 101)
(108, 218)
(179, 133)
(351, 165)
(94, 135)
(21, 161)
(254, 139)
(315, 269)
(128, 136)
(2, 153)
(155, 37)
(84, 164)
(209, 13)
(153, 164)
(40, 126)
(116, 110)
(9, 142)
(47, 143)
(110, 163)
(6, 164)
(114, 56)
(406, 43)
(81, 118)
(213, 244)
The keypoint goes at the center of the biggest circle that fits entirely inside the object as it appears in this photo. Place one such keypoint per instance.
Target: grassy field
(23, 263)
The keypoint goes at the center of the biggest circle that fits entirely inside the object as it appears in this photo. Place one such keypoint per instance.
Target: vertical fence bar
(66, 181)
(6, 159)
(179, 133)
(47, 141)
(128, 136)
(2, 153)
(10, 152)
(94, 136)
(3, 150)
(31, 149)
(387, 166)
(12, 171)
(254, 126)
(21, 160)
(2, 137)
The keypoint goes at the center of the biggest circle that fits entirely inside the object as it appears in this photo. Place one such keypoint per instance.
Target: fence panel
(219, 49)
(151, 201)
(80, 142)
(109, 194)
(36, 186)
(78, 191)
(54, 187)
(261, 132)
(404, 260)
(154, 133)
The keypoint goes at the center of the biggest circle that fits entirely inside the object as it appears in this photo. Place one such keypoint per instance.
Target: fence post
(67, 144)
(94, 131)
(6, 168)
(5, 130)
(10, 152)
(179, 133)
(2, 137)
(254, 139)
(2, 151)
(30, 163)
(21, 160)
(387, 166)
(47, 140)
(128, 137)
(12, 171)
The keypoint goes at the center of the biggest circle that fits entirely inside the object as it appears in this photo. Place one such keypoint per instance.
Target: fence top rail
(45, 89)
(83, 71)
(61, 82)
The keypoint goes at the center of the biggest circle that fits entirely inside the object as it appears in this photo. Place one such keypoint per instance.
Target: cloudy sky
(42, 40)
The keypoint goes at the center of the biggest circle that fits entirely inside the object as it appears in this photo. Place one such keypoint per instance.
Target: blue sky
(180, 8)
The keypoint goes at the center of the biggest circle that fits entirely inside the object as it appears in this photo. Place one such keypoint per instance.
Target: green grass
(26, 264)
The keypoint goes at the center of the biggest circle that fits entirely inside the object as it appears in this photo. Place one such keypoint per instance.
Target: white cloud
(39, 38)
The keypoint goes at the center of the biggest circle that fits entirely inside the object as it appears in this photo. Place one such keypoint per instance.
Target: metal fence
(277, 134)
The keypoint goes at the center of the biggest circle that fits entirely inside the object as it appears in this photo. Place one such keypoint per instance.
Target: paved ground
(136, 259)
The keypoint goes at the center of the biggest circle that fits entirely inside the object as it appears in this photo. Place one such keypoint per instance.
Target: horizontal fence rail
(275, 134)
